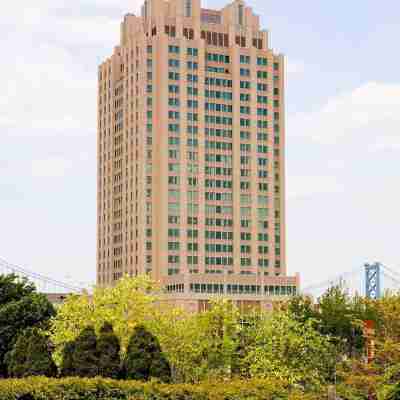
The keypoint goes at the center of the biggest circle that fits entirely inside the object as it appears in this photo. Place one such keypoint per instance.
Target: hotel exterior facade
(191, 156)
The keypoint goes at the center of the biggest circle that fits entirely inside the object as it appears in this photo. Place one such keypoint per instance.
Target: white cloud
(46, 92)
(342, 182)
(367, 114)
(49, 76)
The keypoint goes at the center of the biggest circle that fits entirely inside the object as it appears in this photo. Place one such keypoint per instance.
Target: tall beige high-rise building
(191, 155)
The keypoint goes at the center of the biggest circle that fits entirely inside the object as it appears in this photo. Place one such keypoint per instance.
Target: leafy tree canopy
(20, 308)
(129, 303)
(31, 355)
(289, 350)
(13, 288)
(337, 315)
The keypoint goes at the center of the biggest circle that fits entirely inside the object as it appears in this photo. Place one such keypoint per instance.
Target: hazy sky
(343, 130)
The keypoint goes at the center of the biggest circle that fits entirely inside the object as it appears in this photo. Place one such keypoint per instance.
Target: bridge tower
(373, 280)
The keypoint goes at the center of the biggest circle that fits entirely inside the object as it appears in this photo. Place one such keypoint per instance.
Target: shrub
(20, 308)
(67, 364)
(108, 349)
(31, 355)
(37, 388)
(80, 357)
(85, 356)
(144, 358)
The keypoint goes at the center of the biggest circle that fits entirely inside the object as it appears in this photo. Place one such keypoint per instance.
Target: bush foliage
(109, 348)
(85, 357)
(20, 308)
(31, 355)
(144, 358)
(108, 389)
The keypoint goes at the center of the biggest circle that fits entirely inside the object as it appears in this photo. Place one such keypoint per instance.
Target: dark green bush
(108, 349)
(67, 365)
(38, 388)
(86, 358)
(20, 308)
(144, 357)
(80, 357)
(31, 355)
(89, 356)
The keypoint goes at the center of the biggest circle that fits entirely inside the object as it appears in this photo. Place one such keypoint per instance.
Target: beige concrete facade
(191, 142)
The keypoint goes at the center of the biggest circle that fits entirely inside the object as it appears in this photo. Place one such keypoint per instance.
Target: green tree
(20, 308)
(144, 358)
(379, 377)
(288, 350)
(388, 316)
(342, 318)
(85, 357)
(337, 315)
(31, 355)
(199, 345)
(357, 379)
(67, 367)
(302, 308)
(129, 303)
(14, 288)
(108, 349)
(220, 327)
(246, 340)
(181, 340)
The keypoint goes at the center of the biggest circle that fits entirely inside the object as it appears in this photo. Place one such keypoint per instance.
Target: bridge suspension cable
(391, 279)
(42, 280)
(394, 274)
(344, 277)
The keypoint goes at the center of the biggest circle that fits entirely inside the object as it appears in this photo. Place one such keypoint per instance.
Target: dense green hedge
(38, 388)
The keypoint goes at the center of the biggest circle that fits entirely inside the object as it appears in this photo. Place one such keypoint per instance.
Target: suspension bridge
(369, 280)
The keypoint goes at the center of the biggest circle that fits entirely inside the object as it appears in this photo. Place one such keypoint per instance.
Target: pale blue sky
(343, 130)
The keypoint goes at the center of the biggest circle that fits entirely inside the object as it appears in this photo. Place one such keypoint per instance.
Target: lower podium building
(244, 292)
(191, 156)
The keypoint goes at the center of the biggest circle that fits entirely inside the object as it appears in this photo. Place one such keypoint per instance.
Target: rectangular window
(192, 52)
(244, 59)
(173, 89)
(173, 49)
(192, 91)
(262, 74)
(192, 65)
(173, 63)
(262, 61)
(262, 112)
